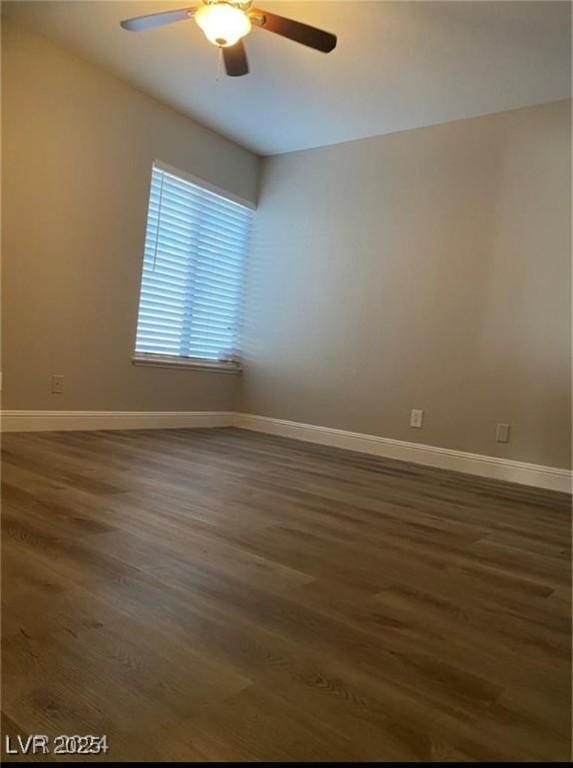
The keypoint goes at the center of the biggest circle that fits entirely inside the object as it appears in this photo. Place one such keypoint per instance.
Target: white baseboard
(43, 421)
(552, 478)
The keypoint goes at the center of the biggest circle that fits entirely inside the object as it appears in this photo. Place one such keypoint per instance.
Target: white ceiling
(398, 65)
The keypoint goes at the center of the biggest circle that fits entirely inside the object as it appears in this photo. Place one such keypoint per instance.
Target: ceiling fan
(225, 22)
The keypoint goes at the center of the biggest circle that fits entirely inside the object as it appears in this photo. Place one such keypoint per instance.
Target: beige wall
(425, 269)
(77, 149)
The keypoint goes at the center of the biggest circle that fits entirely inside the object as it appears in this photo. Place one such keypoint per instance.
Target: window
(191, 285)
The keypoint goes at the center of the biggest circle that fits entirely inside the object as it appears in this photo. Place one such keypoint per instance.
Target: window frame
(156, 359)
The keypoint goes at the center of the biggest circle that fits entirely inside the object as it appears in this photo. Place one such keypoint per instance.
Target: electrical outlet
(57, 384)
(416, 418)
(502, 433)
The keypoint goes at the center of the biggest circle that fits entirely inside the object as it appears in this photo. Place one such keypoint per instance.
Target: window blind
(191, 286)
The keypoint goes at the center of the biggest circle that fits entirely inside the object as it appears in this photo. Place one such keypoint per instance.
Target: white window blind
(191, 286)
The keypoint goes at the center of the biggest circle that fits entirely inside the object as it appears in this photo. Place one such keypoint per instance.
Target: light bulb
(223, 24)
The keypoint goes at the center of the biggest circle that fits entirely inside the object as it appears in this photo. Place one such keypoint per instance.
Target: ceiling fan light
(223, 24)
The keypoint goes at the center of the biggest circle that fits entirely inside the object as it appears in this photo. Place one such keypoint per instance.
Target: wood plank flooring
(225, 595)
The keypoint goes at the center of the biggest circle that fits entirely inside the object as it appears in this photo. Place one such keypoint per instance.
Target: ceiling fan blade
(235, 58)
(295, 30)
(140, 23)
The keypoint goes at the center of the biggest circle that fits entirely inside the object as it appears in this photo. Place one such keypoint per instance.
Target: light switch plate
(416, 418)
(502, 433)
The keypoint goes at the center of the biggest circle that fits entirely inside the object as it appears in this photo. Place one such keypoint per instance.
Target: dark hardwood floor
(224, 595)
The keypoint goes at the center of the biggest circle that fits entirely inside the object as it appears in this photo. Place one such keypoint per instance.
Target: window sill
(194, 364)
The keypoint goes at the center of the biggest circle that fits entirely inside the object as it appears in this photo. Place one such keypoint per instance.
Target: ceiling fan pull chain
(219, 62)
